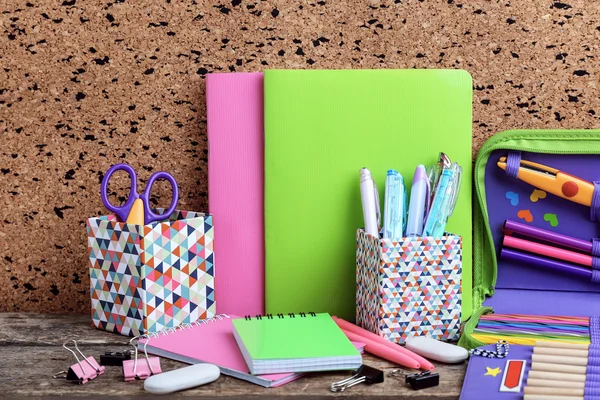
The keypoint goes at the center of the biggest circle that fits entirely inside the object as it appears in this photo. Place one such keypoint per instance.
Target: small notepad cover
(321, 128)
(293, 339)
(234, 103)
(477, 385)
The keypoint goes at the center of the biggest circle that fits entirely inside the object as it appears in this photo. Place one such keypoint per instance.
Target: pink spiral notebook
(234, 104)
(212, 341)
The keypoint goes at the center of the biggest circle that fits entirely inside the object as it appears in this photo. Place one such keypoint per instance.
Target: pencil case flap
(516, 287)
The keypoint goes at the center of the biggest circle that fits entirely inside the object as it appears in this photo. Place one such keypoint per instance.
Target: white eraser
(182, 378)
(436, 350)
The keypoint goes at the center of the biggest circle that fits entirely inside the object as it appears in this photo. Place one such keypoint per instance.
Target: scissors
(554, 181)
(136, 209)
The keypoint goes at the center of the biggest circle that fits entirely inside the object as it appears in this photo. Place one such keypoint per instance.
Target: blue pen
(444, 201)
(419, 202)
(395, 205)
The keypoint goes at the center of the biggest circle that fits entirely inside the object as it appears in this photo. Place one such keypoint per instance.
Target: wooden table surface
(31, 352)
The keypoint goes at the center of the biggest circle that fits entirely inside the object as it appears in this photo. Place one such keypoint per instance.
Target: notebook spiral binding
(280, 316)
(182, 327)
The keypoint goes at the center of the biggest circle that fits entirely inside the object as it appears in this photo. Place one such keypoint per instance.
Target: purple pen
(548, 236)
(546, 263)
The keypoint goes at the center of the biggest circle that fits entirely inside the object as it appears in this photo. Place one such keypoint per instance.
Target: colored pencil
(544, 358)
(555, 383)
(553, 391)
(552, 351)
(566, 369)
(542, 343)
(556, 376)
(529, 329)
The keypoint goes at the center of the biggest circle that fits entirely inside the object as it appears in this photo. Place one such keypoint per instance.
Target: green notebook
(294, 343)
(321, 128)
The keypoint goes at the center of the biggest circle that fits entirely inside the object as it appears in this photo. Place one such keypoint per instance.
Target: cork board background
(85, 84)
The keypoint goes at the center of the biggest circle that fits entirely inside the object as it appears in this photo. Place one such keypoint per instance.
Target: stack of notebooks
(268, 351)
(285, 150)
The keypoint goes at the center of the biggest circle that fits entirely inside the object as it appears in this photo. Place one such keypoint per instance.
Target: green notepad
(294, 343)
(321, 127)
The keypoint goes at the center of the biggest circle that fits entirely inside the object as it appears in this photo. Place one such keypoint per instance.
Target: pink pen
(548, 251)
(366, 335)
(384, 352)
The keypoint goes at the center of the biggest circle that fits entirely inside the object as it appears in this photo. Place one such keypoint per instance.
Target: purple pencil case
(510, 284)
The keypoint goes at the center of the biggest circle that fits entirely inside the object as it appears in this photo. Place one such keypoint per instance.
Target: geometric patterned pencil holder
(145, 278)
(409, 287)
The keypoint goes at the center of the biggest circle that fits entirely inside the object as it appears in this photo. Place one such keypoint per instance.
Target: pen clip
(455, 188)
(427, 198)
(377, 206)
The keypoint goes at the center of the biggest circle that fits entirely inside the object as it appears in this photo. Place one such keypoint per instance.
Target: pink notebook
(211, 341)
(234, 104)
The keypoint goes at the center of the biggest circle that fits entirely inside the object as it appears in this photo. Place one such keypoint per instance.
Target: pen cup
(146, 278)
(409, 286)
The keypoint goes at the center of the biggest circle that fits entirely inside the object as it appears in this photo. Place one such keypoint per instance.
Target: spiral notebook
(211, 341)
(294, 343)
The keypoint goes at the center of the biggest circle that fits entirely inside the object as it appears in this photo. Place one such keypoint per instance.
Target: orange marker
(554, 181)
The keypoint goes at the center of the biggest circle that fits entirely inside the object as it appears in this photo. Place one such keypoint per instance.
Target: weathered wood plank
(31, 353)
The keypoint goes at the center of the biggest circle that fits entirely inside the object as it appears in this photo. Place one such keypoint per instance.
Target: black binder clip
(418, 381)
(364, 374)
(115, 358)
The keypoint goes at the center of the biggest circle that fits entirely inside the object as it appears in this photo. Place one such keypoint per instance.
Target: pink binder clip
(83, 370)
(140, 368)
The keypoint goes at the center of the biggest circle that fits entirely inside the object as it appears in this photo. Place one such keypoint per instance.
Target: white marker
(370, 202)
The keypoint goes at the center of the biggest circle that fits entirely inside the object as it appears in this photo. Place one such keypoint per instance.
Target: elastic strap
(591, 390)
(592, 373)
(596, 253)
(595, 259)
(596, 247)
(595, 330)
(596, 262)
(595, 207)
(513, 163)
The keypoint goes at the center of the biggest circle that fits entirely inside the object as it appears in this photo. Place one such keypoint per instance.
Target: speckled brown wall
(85, 84)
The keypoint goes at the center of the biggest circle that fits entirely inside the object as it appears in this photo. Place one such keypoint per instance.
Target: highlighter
(395, 205)
(419, 196)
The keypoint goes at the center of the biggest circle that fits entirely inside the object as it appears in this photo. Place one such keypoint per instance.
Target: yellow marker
(136, 215)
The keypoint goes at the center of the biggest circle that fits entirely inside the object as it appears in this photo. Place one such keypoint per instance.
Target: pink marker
(373, 338)
(548, 251)
(383, 351)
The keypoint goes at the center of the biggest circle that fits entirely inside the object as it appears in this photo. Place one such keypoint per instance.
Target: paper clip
(134, 369)
(366, 374)
(80, 372)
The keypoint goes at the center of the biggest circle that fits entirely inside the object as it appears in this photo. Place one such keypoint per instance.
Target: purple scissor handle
(122, 212)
